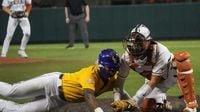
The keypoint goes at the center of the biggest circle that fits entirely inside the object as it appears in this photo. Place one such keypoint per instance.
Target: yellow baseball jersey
(73, 84)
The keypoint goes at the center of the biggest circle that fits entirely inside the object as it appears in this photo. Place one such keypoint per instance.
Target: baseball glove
(18, 14)
(121, 105)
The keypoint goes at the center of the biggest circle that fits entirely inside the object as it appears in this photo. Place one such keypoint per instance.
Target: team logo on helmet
(114, 59)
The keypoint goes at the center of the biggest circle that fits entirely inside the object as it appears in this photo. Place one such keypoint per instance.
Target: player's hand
(26, 14)
(67, 20)
(121, 105)
(87, 19)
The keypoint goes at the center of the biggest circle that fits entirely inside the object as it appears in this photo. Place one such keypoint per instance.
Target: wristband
(98, 109)
(142, 92)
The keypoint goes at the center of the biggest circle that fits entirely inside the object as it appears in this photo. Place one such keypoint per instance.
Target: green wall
(112, 23)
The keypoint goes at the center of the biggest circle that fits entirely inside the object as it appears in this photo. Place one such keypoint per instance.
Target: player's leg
(158, 95)
(31, 88)
(156, 101)
(25, 26)
(186, 80)
(41, 105)
(84, 31)
(12, 24)
(72, 31)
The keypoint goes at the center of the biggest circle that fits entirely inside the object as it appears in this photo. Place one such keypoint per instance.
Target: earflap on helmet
(108, 62)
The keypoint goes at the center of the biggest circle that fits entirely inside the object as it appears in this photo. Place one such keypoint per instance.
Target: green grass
(71, 60)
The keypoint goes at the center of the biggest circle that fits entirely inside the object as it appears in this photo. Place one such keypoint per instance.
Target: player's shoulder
(90, 69)
(160, 47)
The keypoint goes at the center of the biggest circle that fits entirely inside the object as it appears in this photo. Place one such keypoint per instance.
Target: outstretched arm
(91, 100)
(147, 88)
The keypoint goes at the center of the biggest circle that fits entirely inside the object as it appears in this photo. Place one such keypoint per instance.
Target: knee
(27, 34)
(8, 37)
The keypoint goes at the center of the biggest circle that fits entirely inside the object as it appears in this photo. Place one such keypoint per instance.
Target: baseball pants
(45, 86)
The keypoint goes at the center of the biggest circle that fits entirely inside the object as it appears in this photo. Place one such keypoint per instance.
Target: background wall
(112, 23)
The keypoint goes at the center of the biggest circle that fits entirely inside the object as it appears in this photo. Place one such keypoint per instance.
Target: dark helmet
(108, 62)
(137, 42)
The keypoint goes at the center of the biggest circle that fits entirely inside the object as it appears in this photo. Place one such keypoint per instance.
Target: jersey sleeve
(161, 66)
(28, 1)
(66, 3)
(5, 3)
(84, 2)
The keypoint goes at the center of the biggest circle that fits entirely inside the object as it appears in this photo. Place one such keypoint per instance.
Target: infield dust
(14, 60)
(178, 105)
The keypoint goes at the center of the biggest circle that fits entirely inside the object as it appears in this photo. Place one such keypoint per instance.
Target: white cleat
(22, 53)
(3, 55)
(187, 109)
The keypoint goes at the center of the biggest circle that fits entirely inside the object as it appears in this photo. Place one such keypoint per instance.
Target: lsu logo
(114, 59)
(90, 81)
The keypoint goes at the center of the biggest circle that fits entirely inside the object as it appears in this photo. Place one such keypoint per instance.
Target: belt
(60, 89)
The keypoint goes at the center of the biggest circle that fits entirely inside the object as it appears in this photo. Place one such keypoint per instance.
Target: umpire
(77, 14)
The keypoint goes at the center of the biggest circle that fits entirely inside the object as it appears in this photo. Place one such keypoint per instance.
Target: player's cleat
(22, 53)
(189, 110)
(86, 46)
(3, 55)
(70, 47)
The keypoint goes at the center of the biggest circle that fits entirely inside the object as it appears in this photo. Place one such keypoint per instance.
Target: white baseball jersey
(157, 62)
(16, 5)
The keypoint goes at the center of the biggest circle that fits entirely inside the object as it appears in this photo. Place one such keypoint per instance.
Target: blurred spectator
(60, 3)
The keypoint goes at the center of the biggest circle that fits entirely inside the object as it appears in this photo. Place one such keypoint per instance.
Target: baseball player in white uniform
(161, 70)
(18, 11)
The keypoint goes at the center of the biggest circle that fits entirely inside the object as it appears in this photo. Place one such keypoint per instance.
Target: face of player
(137, 45)
(107, 72)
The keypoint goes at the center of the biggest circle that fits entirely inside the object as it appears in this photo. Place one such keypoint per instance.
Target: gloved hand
(121, 105)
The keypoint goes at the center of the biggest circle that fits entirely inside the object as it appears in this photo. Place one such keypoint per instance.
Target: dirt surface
(14, 60)
(178, 106)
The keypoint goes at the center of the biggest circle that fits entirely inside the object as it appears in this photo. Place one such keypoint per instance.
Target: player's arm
(132, 103)
(91, 100)
(7, 10)
(147, 88)
(66, 14)
(28, 9)
(118, 90)
(87, 12)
